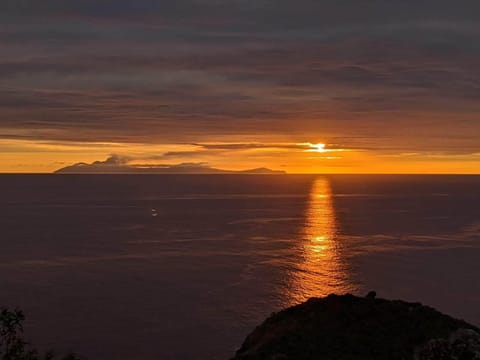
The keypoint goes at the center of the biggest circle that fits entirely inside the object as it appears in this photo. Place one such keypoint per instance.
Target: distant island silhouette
(116, 164)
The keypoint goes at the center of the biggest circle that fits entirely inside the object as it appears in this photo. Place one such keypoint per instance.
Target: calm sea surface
(184, 266)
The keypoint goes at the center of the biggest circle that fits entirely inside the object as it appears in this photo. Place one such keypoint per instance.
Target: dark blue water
(183, 267)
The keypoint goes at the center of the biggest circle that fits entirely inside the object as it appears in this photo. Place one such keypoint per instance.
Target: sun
(318, 147)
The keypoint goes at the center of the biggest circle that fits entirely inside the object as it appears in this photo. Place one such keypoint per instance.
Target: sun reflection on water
(321, 270)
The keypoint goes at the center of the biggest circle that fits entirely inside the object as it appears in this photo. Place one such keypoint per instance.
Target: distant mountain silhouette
(119, 165)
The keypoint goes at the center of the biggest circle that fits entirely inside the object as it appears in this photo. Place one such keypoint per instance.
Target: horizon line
(225, 173)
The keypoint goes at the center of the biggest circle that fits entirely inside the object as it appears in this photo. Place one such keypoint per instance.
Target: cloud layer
(392, 76)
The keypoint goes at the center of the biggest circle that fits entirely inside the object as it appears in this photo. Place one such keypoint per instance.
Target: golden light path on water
(322, 270)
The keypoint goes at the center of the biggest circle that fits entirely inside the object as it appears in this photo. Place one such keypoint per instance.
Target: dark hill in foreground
(350, 327)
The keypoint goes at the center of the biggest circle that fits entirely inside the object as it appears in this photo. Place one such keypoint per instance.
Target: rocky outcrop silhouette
(344, 327)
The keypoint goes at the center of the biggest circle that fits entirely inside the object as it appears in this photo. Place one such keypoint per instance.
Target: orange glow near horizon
(322, 270)
(30, 156)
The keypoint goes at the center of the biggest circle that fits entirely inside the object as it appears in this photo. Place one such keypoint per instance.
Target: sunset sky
(388, 86)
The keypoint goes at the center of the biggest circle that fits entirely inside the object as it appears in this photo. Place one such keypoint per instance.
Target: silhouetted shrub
(12, 344)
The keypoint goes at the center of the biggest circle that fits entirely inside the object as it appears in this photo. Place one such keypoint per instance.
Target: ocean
(137, 267)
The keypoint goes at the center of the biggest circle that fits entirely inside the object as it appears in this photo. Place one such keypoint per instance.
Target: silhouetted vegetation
(12, 343)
